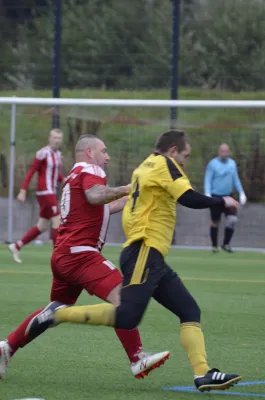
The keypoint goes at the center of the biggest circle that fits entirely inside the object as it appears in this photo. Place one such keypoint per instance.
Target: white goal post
(14, 101)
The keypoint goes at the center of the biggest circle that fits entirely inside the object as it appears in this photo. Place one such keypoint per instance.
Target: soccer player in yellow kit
(149, 219)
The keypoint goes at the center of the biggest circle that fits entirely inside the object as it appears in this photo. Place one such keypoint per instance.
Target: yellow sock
(99, 314)
(192, 340)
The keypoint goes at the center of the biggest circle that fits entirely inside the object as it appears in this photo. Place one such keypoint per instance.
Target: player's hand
(242, 198)
(127, 189)
(230, 202)
(22, 196)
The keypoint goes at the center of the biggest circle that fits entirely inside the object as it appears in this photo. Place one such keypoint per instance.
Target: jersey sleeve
(236, 180)
(208, 179)
(60, 178)
(171, 178)
(90, 180)
(41, 154)
(92, 175)
(33, 168)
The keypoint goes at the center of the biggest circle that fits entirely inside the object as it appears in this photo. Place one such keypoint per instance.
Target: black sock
(228, 235)
(214, 234)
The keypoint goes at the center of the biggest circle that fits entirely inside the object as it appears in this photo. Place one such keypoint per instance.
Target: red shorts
(48, 206)
(87, 270)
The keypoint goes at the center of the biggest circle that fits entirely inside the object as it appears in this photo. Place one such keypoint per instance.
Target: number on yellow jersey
(135, 193)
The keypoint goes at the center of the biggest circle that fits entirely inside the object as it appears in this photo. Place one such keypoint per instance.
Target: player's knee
(128, 316)
(231, 221)
(215, 224)
(114, 296)
(191, 313)
(42, 224)
(55, 222)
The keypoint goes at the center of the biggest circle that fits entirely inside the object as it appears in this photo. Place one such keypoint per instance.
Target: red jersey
(84, 226)
(47, 163)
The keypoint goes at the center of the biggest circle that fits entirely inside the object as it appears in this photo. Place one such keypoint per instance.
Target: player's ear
(172, 151)
(88, 151)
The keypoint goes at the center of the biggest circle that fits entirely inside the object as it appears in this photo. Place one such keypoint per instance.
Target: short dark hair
(172, 138)
(83, 139)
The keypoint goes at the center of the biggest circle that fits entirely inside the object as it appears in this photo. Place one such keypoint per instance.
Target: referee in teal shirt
(221, 178)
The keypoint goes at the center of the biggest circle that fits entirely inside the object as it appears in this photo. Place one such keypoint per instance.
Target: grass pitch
(81, 362)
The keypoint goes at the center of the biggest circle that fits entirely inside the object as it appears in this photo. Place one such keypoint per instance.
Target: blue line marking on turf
(251, 383)
(191, 389)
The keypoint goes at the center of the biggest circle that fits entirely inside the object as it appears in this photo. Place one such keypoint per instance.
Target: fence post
(11, 173)
(175, 60)
(57, 15)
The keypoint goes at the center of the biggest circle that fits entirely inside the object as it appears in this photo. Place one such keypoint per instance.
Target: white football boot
(4, 357)
(147, 362)
(15, 253)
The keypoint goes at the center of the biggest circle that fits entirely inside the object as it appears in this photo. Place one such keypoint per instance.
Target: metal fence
(129, 128)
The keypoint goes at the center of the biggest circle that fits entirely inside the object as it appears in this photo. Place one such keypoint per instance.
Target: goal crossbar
(134, 103)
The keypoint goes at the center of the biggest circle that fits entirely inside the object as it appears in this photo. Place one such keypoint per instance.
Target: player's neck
(54, 150)
(223, 160)
(81, 159)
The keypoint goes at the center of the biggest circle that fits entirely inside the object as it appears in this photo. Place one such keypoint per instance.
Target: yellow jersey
(150, 212)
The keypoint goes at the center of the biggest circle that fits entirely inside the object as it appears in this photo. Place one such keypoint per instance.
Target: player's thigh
(142, 269)
(173, 295)
(49, 206)
(62, 290)
(216, 213)
(99, 277)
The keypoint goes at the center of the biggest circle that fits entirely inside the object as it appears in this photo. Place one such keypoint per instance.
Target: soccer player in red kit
(77, 263)
(47, 164)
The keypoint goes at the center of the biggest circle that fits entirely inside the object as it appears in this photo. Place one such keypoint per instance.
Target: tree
(116, 45)
(224, 46)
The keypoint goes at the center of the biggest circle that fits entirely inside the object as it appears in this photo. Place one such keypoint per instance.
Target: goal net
(130, 133)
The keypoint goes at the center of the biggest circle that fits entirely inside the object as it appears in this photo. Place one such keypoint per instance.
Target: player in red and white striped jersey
(77, 263)
(46, 163)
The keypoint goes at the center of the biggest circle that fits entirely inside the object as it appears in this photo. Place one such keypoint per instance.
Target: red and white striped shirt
(84, 226)
(47, 164)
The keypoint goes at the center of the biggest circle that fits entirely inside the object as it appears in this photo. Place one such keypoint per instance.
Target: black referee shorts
(146, 275)
(217, 211)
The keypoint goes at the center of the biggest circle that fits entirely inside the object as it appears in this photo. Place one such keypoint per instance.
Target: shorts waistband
(45, 193)
(81, 249)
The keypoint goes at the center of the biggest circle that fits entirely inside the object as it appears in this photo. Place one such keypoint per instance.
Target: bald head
(92, 150)
(224, 152)
(84, 142)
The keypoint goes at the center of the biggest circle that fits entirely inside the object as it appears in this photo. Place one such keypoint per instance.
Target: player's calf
(231, 221)
(4, 357)
(214, 236)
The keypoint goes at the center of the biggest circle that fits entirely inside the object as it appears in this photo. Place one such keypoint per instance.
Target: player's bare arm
(100, 194)
(118, 205)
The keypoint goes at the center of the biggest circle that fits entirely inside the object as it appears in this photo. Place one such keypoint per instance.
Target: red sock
(131, 342)
(53, 235)
(17, 338)
(28, 237)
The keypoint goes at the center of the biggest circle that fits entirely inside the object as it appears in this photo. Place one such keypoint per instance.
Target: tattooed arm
(100, 194)
(118, 205)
